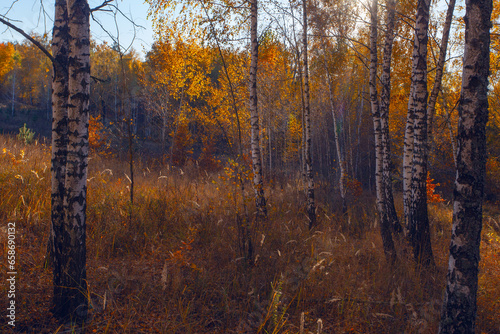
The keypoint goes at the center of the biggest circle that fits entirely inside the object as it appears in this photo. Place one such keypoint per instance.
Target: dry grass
(171, 263)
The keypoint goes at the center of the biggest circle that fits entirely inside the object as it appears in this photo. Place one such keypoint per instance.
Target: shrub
(25, 134)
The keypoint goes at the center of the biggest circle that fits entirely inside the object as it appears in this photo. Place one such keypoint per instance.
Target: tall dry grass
(173, 262)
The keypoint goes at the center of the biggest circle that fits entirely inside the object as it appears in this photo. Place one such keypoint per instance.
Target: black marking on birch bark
(459, 304)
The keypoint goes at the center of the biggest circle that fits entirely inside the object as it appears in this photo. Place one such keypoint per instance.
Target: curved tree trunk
(431, 107)
(260, 200)
(311, 207)
(459, 305)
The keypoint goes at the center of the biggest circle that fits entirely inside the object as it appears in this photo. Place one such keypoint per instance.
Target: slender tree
(459, 305)
(385, 228)
(260, 200)
(311, 207)
(431, 106)
(415, 147)
(342, 164)
(385, 98)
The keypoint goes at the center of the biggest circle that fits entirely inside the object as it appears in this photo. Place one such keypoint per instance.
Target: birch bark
(385, 98)
(431, 108)
(415, 199)
(60, 49)
(260, 200)
(70, 288)
(459, 305)
(311, 207)
(385, 229)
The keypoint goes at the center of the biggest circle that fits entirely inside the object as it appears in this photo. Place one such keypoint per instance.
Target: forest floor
(173, 262)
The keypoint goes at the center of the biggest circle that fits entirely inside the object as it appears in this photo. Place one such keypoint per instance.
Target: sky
(37, 16)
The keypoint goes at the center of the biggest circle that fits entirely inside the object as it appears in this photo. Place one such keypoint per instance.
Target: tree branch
(104, 4)
(31, 39)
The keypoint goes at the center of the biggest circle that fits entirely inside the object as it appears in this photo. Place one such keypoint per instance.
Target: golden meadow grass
(171, 262)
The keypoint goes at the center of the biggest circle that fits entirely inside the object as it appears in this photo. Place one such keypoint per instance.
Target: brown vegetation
(172, 263)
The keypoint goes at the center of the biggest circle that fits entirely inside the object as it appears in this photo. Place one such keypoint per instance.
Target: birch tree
(60, 93)
(385, 228)
(71, 89)
(431, 107)
(459, 305)
(311, 207)
(415, 146)
(385, 98)
(260, 200)
(70, 287)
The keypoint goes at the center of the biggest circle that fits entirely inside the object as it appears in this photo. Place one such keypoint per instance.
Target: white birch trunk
(408, 158)
(73, 260)
(311, 206)
(60, 48)
(385, 98)
(416, 204)
(260, 200)
(459, 305)
(385, 229)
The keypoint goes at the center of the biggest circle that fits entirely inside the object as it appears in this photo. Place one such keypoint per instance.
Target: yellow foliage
(182, 144)
(294, 138)
(98, 137)
(489, 281)
(6, 58)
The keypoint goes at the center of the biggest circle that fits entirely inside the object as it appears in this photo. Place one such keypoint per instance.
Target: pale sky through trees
(30, 16)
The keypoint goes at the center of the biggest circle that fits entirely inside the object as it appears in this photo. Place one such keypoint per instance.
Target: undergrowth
(173, 263)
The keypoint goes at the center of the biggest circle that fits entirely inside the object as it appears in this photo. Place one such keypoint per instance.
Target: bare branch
(11, 6)
(115, 10)
(31, 39)
(99, 8)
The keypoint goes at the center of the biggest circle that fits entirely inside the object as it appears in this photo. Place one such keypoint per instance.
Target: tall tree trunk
(260, 200)
(126, 107)
(450, 129)
(418, 220)
(459, 305)
(385, 98)
(60, 49)
(431, 107)
(358, 134)
(385, 229)
(130, 137)
(342, 164)
(408, 158)
(311, 207)
(269, 148)
(70, 287)
(164, 127)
